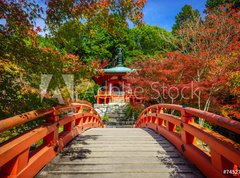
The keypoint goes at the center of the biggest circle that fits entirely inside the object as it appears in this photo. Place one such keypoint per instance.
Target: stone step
(121, 122)
(126, 122)
(111, 110)
(115, 115)
(127, 119)
(124, 126)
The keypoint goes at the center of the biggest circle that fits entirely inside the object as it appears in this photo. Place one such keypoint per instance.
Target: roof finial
(120, 62)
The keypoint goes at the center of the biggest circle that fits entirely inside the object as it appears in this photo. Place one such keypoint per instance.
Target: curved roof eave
(118, 69)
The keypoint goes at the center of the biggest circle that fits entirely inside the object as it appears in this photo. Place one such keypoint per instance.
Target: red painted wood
(224, 154)
(15, 159)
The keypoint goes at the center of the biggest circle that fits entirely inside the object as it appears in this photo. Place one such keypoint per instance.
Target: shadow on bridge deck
(173, 162)
(119, 152)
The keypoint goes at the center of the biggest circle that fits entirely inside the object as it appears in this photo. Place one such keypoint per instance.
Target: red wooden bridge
(76, 142)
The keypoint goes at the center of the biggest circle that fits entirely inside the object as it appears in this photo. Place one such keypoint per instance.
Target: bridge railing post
(91, 111)
(186, 137)
(91, 120)
(79, 109)
(69, 126)
(149, 118)
(170, 126)
(79, 120)
(15, 166)
(53, 117)
(16, 159)
(94, 123)
(159, 120)
(51, 139)
(220, 163)
(85, 120)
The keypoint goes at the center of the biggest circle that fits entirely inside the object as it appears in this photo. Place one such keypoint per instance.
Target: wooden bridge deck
(119, 152)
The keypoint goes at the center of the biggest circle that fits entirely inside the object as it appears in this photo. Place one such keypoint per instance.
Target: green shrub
(133, 111)
(105, 118)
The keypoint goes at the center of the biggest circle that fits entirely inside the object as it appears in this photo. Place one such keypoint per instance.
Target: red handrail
(224, 155)
(16, 160)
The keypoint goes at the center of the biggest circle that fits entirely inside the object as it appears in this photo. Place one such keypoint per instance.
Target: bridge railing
(17, 159)
(223, 158)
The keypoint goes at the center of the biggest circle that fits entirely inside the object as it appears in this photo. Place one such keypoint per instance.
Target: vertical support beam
(154, 120)
(110, 89)
(94, 121)
(170, 126)
(51, 139)
(77, 121)
(69, 126)
(81, 121)
(148, 119)
(220, 163)
(91, 111)
(123, 90)
(149, 110)
(91, 119)
(16, 165)
(85, 120)
(159, 120)
(79, 110)
(186, 137)
(53, 117)
(159, 110)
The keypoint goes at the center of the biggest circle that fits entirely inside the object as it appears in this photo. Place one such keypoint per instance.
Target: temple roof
(119, 68)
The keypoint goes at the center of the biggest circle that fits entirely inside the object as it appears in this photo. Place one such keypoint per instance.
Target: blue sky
(163, 12)
(157, 12)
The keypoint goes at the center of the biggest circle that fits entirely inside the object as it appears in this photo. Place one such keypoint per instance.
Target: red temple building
(114, 87)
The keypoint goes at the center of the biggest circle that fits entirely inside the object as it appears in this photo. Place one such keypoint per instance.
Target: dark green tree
(212, 4)
(187, 14)
(92, 42)
(88, 43)
(151, 40)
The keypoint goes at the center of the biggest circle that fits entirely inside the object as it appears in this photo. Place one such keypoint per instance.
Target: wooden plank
(119, 152)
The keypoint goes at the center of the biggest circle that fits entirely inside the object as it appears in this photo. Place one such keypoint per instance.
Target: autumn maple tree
(102, 12)
(207, 60)
(202, 55)
(23, 59)
(25, 55)
(215, 42)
